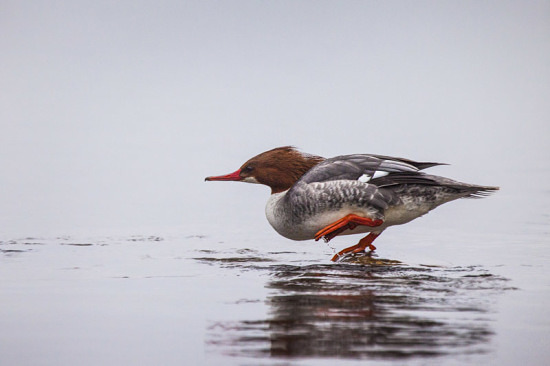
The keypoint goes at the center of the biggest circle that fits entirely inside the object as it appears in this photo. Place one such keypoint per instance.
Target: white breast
(277, 215)
(280, 217)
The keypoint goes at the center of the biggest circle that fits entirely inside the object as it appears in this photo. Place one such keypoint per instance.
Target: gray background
(112, 113)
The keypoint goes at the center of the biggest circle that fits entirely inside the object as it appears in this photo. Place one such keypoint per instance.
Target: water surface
(198, 298)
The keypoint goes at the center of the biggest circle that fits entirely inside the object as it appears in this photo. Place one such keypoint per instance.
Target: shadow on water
(363, 308)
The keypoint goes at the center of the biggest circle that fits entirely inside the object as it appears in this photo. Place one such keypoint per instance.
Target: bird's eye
(248, 169)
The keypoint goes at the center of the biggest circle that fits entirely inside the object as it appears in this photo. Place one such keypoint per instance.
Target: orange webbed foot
(359, 247)
(350, 222)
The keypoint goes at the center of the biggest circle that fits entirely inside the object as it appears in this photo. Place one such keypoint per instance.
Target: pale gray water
(114, 251)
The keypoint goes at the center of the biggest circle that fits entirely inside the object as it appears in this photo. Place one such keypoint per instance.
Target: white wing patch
(379, 174)
(364, 178)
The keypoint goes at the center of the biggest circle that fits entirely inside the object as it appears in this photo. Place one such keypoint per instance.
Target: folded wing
(362, 167)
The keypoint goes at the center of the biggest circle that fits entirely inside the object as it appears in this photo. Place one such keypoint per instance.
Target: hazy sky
(113, 112)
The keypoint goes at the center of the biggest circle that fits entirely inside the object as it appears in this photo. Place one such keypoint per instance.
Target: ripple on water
(362, 308)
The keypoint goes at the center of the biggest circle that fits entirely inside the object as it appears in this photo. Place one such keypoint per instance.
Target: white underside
(393, 216)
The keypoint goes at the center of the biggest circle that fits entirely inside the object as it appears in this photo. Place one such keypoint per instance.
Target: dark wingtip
(426, 165)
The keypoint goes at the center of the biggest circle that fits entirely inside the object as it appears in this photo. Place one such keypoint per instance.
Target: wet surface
(364, 308)
(181, 299)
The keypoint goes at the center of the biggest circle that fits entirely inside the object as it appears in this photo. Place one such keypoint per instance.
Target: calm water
(434, 293)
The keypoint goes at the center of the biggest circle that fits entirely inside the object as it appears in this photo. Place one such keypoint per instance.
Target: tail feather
(481, 191)
(465, 190)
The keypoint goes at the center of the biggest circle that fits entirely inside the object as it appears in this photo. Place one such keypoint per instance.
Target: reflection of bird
(313, 197)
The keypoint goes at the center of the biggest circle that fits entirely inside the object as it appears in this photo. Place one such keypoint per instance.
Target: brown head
(279, 168)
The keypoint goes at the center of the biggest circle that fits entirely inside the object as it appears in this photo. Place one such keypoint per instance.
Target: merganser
(313, 197)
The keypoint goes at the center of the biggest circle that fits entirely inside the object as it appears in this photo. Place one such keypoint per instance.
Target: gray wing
(352, 167)
(306, 200)
(352, 179)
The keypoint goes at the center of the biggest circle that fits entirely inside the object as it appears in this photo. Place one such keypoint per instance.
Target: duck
(315, 198)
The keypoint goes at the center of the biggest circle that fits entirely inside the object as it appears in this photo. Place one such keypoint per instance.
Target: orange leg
(348, 222)
(359, 247)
